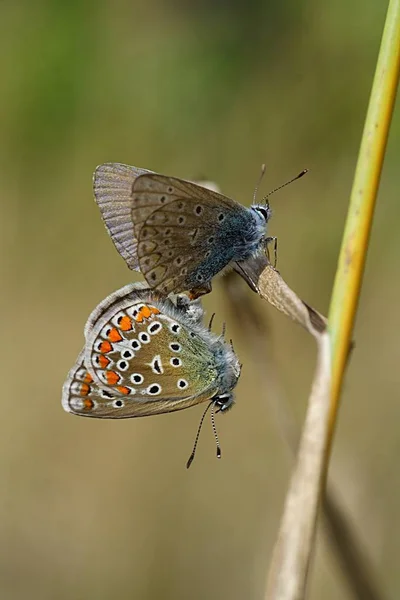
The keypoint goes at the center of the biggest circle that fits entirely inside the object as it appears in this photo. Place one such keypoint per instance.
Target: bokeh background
(101, 510)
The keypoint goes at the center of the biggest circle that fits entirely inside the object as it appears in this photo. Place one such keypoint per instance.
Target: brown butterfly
(177, 233)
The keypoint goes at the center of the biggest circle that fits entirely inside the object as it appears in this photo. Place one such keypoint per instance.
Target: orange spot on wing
(103, 361)
(155, 310)
(125, 323)
(88, 378)
(114, 335)
(105, 347)
(123, 389)
(112, 377)
(139, 317)
(88, 403)
(85, 389)
(145, 311)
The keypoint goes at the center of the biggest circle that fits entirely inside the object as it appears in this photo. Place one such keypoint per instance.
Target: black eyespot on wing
(154, 389)
(137, 378)
(154, 327)
(157, 366)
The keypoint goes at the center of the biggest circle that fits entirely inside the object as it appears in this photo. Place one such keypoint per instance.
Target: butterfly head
(229, 369)
(264, 210)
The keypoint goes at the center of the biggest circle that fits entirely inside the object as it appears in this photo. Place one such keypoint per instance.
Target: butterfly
(177, 233)
(146, 355)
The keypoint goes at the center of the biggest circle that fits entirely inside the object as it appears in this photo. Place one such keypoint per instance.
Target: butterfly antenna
(215, 431)
(191, 457)
(223, 329)
(211, 322)
(231, 343)
(303, 172)
(258, 183)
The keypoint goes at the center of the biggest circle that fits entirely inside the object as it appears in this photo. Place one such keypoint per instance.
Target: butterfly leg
(269, 240)
(195, 293)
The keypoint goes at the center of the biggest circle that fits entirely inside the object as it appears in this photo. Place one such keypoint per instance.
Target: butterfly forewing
(112, 183)
(85, 397)
(186, 234)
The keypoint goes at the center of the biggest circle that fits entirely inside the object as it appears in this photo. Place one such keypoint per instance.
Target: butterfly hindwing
(112, 183)
(142, 357)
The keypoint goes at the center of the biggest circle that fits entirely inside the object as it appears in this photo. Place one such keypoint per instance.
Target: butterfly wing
(140, 360)
(186, 233)
(87, 398)
(112, 184)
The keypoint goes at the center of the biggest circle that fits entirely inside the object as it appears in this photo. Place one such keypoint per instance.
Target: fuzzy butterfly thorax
(145, 355)
(179, 234)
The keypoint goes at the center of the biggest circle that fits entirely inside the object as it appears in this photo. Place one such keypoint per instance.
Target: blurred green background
(104, 509)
